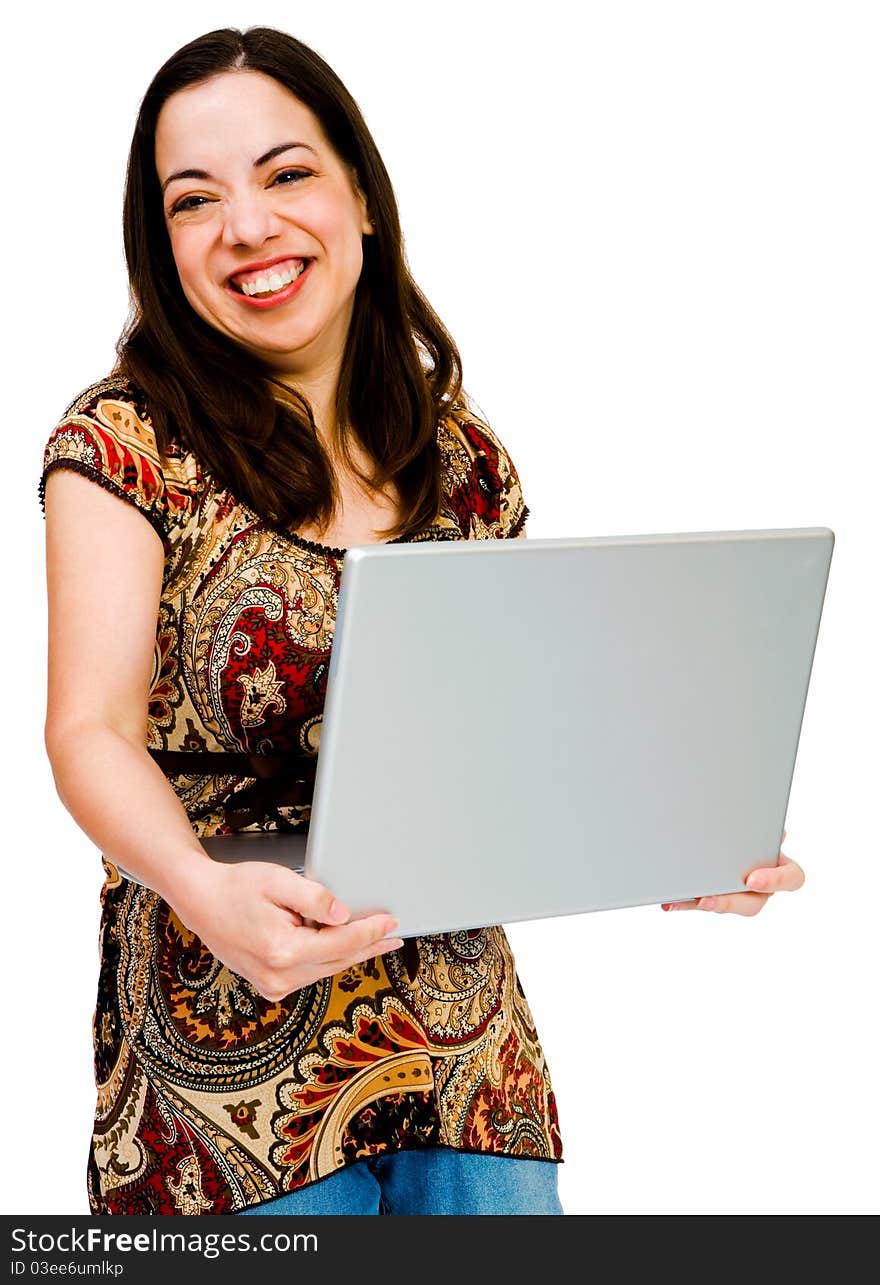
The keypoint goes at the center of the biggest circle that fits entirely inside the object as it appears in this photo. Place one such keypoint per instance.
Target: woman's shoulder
(116, 409)
(481, 468)
(106, 433)
(464, 420)
(116, 386)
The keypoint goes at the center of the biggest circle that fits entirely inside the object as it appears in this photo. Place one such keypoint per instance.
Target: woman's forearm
(254, 917)
(122, 800)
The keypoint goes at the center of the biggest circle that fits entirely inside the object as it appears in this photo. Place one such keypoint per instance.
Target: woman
(283, 391)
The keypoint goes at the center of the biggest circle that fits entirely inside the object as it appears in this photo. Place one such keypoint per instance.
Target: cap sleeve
(106, 435)
(490, 488)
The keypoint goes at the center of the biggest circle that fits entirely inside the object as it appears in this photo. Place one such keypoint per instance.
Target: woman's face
(252, 191)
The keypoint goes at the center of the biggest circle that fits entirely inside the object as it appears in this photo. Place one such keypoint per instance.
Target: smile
(269, 286)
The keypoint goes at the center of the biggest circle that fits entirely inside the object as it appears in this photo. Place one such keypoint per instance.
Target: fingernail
(395, 944)
(391, 926)
(338, 911)
(707, 903)
(758, 882)
(665, 906)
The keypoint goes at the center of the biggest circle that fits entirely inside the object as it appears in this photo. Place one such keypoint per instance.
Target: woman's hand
(787, 876)
(252, 916)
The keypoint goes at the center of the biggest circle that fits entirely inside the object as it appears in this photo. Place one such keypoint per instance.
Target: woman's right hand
(252, 917)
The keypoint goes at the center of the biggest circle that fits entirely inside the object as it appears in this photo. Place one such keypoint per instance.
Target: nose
(249, 220)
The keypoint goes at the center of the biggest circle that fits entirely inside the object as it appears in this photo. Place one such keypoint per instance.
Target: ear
(367, 228)
(366, 222)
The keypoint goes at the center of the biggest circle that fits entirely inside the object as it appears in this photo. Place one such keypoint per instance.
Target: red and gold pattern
(210, 1097)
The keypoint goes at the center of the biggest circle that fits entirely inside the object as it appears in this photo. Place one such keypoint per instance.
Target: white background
(652, 229)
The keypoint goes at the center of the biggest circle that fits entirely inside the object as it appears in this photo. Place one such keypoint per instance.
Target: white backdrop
(653, 231)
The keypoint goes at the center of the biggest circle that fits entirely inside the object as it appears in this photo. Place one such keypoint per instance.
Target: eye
(188, 203)
(290, 176)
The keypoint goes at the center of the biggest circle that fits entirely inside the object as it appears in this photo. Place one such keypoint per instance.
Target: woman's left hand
(787, 876)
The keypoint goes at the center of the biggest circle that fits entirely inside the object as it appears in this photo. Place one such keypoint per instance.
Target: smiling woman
(281, 381)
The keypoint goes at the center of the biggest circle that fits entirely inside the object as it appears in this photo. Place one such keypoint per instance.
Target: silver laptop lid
(525, 728)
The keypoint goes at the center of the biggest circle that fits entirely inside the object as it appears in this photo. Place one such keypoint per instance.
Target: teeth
(274, 282)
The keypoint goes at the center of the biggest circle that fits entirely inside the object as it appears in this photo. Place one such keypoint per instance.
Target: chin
(264, 340)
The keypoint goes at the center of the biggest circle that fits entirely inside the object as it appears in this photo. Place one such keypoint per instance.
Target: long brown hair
(401, 370)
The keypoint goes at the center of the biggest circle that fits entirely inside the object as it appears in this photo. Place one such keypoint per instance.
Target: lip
(277, 299)
(264, 263)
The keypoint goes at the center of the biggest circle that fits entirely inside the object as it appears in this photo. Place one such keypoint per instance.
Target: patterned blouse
(211, 1098)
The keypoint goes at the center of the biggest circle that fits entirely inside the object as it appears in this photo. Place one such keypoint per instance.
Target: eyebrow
(261, 160)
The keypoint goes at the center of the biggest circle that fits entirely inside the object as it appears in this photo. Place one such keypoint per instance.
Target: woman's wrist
(186, 884)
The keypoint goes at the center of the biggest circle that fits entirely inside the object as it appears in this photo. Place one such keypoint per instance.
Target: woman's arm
(104, 574)
(104, 566)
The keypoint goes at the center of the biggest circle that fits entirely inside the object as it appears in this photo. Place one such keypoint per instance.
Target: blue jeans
(436, 1180)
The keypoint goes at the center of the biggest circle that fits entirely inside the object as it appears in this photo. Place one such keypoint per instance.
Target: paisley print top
(211, 1098)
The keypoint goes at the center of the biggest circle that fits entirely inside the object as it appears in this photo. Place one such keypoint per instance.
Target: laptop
(529, 728)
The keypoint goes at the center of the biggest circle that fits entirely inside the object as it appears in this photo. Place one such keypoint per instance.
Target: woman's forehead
(234, 113)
